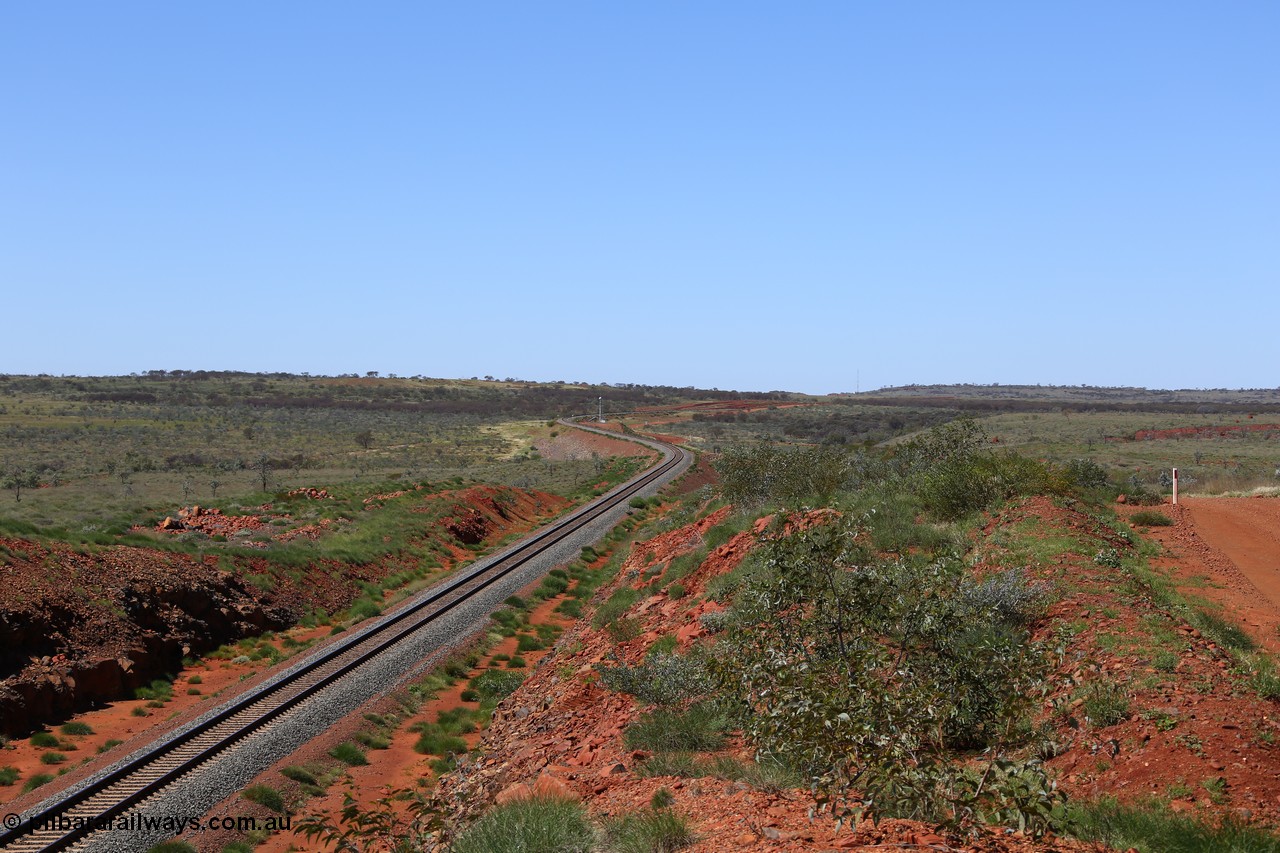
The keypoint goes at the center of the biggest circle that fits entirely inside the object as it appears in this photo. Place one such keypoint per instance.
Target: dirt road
(1235, 543)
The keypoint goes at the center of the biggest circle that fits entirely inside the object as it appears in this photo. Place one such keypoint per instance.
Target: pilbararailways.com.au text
(139, 823)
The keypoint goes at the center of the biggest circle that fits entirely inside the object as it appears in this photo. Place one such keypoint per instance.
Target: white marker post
(1175, 486)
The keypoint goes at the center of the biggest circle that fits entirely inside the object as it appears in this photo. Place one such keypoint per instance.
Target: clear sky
(804, 196)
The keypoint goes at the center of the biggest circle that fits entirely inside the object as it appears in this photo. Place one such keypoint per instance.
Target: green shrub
(172, 847)
(350, 754)
(373, 740)
(76, 728)
(159, 690)
(550, 587)
(265, 796)
(111, 742)
(299, 774)
(52, 758)
(526, 643)
(539, 825)
(1105, 705)
(663, 679)
(1165, 660)
(1009, 597)
(624, 630)
(1148, 518)
(649, 831)
(676, 590)
(8, 775)
(434, 741)
(494, 685)
(364, 608)
(1108, 557)
(1221, 631)
(1152, 827)
(615, 606)
(517, 662)
(570, 607)
(937, 673)
(45, 740)
(36, 781)
(695, 729)
(1085, 474)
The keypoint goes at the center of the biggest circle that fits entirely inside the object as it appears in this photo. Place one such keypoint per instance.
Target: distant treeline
(1007, 404)
(506, 398)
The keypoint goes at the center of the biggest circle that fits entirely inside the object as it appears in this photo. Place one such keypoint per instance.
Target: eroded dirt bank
(78, 628)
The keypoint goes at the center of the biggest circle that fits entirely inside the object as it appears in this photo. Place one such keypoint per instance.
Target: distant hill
(991, 398)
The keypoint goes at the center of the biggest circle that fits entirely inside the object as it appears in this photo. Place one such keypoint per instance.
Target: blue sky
(799, 196)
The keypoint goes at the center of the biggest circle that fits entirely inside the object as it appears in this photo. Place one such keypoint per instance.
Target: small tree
(364, 438)
(213, 486)
(262, 468)
(19, 480)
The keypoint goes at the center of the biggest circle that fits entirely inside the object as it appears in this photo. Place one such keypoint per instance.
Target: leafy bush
(8, 775)
(1085, 474)
(663, 679)
(870, 673)
(1108, 557)
(1148, 518)
(266, 796)
(45, 740)
(539, 825)
(767, 474)
(76, 728)
(1009, 597)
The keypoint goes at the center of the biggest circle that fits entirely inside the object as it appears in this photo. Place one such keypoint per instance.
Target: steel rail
(73, 815)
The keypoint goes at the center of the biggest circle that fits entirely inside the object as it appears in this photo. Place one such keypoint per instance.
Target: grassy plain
(92, 454)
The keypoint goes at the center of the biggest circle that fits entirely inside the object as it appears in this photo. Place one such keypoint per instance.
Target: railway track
(71, 819)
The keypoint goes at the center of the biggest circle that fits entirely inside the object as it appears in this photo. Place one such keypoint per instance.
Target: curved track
(68, 819)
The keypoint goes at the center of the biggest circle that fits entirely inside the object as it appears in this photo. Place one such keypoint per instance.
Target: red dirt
(580, 444)
(1197, 432)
